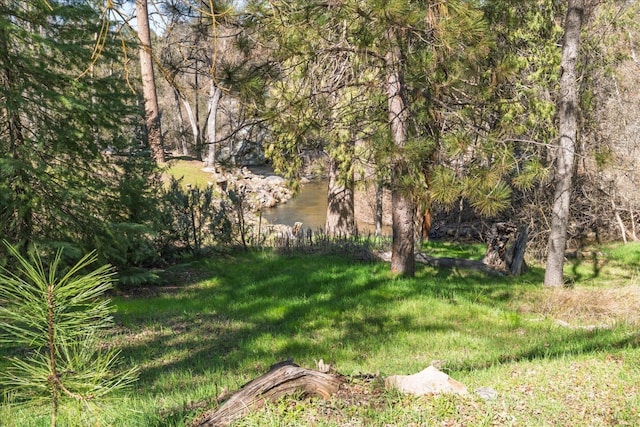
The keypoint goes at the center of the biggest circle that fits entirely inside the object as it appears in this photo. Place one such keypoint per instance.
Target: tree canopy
(441, 106)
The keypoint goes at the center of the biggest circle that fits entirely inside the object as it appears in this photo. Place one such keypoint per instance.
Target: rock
(267, 200)
(261, 191)
(274, 180)
(427, 381)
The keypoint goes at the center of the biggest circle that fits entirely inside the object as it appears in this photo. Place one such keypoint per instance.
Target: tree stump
(505, 248)
(282, 379)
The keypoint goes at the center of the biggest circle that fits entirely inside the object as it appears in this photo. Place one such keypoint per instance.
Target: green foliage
(522, 80)
(532, 170)
(64, 110)
(444, 188)
(129, 244)
(195, 217)
(334, 93)
(186, 213)
(55, 322)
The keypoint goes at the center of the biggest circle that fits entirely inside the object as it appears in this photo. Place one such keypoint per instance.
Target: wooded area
(495, 111)
(507, 122)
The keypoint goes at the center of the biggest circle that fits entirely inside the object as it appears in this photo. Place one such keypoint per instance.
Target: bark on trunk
(152, 111)
(340, 208)
(283, 379)
(379, 208)
(568, 127)
(212, 113)
(182, 139)
(426, 223)
(195, 130)
(196, 118)
(403, 211)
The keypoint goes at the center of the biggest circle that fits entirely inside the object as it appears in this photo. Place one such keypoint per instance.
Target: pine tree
(55, 321)
(63, 106)
(151, 109)
(415, 62)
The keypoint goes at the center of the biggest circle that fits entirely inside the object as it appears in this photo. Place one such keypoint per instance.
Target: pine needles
(55, 320)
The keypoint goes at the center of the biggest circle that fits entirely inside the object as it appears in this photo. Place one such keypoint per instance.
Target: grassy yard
(555, 357)
(190, 171)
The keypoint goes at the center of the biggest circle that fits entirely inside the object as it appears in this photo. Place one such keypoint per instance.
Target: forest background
(462, 111)
(479, 86)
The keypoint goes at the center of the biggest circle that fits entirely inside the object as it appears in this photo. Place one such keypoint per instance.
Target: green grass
(190, 171)
(219, 322)
(610, 264)
(473, 251)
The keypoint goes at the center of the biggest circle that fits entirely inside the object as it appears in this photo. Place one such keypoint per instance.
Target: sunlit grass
(473, 251)
(605, 266)
(190, 171)
(219, 322)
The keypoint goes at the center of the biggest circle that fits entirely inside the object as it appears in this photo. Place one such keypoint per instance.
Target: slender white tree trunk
(180, 120)
(195, 130)
(212, 113)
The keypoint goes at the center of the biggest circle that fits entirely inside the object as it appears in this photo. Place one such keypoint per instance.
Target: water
(309, 207)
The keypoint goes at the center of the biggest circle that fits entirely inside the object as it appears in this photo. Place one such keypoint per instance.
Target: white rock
(427, 381)
(274, 180)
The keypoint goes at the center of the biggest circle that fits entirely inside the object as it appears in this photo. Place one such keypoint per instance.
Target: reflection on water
(309, 207)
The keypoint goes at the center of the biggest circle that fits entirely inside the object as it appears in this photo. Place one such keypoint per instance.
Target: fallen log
(468, 264)
(282, 379)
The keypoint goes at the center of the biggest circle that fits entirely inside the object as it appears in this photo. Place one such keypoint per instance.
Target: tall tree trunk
(379, 213)
(212, 113)
(152, 111)
(568, 127)
(195, 130)
(196, 82)
(403, 211)
(182, 139)
(426, 223)
(340, 209)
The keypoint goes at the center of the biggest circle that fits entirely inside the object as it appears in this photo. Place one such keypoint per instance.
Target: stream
(309, 207)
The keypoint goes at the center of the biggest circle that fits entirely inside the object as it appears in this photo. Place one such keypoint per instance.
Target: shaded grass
(220, 322)
(610, 265)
